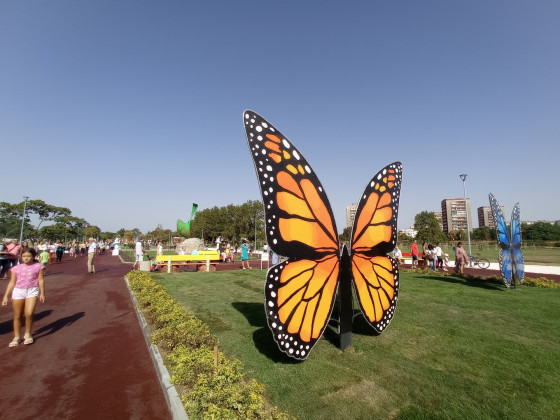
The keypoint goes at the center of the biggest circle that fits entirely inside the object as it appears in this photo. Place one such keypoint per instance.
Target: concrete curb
(171, 395)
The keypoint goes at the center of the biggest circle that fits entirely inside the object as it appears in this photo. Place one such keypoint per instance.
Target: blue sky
(127, 112)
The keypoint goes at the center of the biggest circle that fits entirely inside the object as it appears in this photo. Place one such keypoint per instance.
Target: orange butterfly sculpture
(300, 292)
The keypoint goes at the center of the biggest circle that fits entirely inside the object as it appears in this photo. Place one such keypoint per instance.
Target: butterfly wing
(503, 239)
(374, 235)
(517, 254)
(299, 225)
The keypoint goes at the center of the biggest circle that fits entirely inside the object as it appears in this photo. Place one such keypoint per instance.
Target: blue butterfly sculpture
(511, 257)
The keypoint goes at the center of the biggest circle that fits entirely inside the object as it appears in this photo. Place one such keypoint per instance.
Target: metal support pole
(22, 219)
(464, 177)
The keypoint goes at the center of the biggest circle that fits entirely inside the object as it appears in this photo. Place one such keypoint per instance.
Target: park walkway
(89, 360)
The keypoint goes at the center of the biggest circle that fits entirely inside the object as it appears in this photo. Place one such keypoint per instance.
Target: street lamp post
(463, 178)
(23, 219)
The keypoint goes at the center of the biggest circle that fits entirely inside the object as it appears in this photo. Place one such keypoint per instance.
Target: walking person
(414, 252)
(461, 258)
(446, 262)
(91, 248)
(26, 285)
(14, 251)
(139, 253)
(4, 261)
(60, 252)
(159, 248)
(244, 255)
(439, 256)
(44, 259)
(41, 247)
(397, 255)
(430, 256)
(52, 251)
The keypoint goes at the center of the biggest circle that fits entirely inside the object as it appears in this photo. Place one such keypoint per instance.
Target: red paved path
(89, 360)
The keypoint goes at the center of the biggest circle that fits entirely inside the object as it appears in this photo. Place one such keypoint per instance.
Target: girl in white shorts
(26, 285)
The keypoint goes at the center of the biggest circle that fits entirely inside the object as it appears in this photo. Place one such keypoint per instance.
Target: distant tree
(484, 233)
(404, 238)
(540, 231)
(232, 222)
(91, 232)
(11, 214)
(128, 235)
(10, 220)
(427, 226)
(107, 236)
(345, 235)
(54, 232)
(73, 225)
(159, 234)
(44, 212)
(458, 235)
(156, 234)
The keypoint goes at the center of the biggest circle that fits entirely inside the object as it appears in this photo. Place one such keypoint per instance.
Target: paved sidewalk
(89, 360)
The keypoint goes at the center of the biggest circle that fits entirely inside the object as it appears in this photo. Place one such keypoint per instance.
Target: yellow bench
(204, 260)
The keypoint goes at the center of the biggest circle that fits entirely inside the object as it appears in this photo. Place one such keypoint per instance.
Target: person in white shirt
(397, 255)
(437, 250)
(92, 247)
(139, 252)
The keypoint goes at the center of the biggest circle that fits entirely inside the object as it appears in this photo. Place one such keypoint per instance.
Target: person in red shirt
(414, 252)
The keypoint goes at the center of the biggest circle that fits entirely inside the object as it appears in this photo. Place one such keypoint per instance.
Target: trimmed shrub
(209, 391)
(541, 282)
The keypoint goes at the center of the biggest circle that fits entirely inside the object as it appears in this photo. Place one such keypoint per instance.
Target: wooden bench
(204, 261)
(407, 259)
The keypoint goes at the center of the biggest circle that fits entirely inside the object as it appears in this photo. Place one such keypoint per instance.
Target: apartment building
(454, 213)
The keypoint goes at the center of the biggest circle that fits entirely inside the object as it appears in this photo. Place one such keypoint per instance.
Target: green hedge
(544, 282)
(541, 282)
(207, 391)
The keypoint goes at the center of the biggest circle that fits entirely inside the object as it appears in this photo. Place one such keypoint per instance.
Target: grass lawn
(455, 349)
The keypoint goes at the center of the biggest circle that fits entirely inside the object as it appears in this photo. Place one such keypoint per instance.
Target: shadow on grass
(264, 341)
(361, 326)
(471, 282)
(254, 312)
(262, 337)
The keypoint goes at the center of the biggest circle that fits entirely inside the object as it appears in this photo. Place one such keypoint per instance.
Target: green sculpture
(185, 228)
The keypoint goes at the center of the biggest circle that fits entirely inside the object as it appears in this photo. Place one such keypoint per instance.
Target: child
(25, 285)
(44, 259)
(446, 262)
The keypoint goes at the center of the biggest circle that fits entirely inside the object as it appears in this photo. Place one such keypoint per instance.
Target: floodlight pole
(23, 219)
(463, 178)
